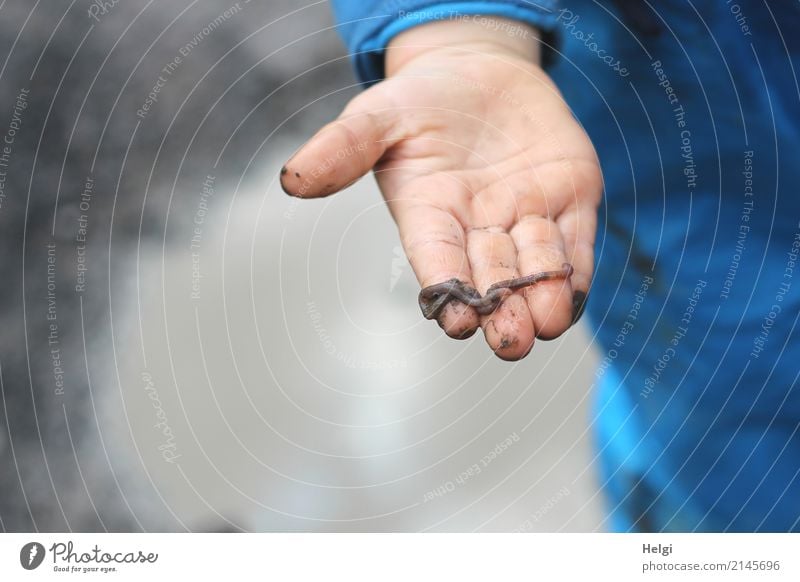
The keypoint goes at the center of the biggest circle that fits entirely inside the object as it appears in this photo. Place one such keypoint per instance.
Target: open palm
(488, 177)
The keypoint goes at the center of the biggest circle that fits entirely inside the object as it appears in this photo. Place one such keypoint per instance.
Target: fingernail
(466, 334)
(284, 171)
(578, 303)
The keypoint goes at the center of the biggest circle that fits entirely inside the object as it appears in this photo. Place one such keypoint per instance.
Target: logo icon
(31, 555)
(399, 263)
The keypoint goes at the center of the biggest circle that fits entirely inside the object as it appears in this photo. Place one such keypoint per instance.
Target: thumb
(342, 151)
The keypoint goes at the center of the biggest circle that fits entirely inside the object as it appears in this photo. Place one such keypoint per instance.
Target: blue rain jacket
(694, 109)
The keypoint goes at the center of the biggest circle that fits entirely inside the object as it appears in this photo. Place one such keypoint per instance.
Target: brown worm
(433, 299)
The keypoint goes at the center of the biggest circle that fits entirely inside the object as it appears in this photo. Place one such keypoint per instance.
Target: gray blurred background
(269, 368)
(306, 392)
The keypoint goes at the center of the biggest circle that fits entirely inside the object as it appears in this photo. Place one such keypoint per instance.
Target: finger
(541, 248)
(509, 329)
(434, 241)
(578, 227)
(342, 151)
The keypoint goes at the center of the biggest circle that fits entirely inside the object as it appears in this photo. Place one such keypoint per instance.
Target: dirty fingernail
(284, 172)
(578, 304)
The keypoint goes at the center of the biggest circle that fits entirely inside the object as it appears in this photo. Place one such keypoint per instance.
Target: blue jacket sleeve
(367, 26)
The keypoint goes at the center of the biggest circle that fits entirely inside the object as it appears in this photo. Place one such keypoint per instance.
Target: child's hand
(483, 167)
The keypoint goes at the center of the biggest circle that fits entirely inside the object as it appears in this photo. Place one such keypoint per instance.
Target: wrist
(487, 34)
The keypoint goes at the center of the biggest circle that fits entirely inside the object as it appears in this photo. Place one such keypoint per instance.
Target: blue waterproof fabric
(694, 110)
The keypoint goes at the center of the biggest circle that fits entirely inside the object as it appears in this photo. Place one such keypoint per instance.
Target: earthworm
(432, 299)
